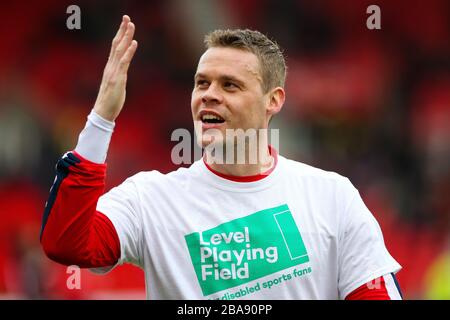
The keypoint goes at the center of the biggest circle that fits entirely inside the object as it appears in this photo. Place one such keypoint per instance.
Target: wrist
(108, 116)
(100, 121)
(93, 141)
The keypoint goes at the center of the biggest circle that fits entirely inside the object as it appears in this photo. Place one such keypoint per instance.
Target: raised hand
(111, 96)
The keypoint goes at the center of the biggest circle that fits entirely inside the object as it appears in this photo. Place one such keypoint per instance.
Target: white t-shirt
(299, 233)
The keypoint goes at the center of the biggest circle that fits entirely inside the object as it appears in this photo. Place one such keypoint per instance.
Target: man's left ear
(276, 101)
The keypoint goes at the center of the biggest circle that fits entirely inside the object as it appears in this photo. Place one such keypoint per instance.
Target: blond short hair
(270, 56)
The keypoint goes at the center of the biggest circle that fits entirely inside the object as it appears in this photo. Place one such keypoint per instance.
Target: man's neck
(246, 167)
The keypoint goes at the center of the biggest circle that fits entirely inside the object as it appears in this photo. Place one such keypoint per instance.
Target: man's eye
(201, 83)
(230, 85)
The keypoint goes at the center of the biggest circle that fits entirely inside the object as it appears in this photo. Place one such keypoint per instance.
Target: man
(266, 229)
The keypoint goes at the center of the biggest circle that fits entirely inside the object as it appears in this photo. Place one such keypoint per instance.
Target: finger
(119, 35)
(125, 41)
(123, 26)
(128, 56)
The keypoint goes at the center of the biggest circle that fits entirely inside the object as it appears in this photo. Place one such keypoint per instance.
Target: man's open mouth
(211, 118)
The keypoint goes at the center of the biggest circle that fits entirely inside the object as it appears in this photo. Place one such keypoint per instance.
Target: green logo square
(245, 249)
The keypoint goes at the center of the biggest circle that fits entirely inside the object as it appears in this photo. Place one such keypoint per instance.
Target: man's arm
(363, 254)
(382, 288)
(73, 231)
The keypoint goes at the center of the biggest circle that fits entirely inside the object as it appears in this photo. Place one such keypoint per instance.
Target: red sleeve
(73, 232)
(375, 290)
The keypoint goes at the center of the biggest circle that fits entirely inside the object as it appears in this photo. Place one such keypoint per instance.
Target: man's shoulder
(303, 171)
(317, 180)
(152, 176)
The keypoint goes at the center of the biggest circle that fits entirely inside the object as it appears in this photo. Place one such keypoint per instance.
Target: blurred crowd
(373, 105)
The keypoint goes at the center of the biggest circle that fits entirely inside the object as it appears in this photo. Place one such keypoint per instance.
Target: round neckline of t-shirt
(239, 186)
(251, 178)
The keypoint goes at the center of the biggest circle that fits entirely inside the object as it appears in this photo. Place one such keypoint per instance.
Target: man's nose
(212, 94)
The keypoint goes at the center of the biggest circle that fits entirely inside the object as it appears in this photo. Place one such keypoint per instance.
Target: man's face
(227, 94)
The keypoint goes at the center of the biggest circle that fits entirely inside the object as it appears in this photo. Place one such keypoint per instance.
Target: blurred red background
(373, 105)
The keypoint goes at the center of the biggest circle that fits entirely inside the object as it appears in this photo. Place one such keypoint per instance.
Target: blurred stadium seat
(371, 105)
